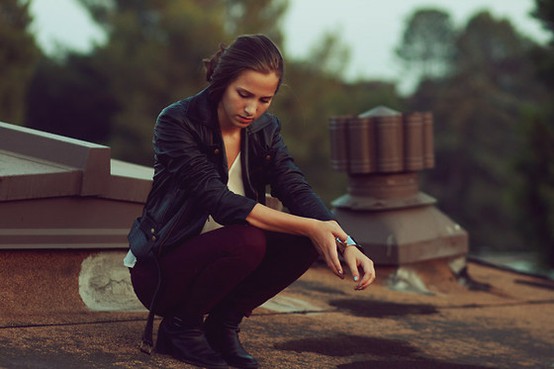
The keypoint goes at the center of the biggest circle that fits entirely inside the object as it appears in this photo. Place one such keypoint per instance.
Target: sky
(370, 28)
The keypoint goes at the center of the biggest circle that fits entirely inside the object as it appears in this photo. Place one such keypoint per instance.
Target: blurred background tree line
(491, 91)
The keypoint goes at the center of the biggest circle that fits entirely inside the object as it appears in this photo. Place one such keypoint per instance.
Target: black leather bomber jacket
(191, 172)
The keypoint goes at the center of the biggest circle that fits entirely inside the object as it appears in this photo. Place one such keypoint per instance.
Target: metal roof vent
(382, 151)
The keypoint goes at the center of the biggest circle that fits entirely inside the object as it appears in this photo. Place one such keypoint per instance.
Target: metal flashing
(61, 193)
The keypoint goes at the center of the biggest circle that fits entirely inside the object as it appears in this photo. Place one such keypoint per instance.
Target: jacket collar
(201, 110)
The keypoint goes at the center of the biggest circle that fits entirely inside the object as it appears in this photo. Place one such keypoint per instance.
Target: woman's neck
(227, 128)
(232, 141)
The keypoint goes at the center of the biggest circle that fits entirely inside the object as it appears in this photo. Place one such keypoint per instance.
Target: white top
(234, 184)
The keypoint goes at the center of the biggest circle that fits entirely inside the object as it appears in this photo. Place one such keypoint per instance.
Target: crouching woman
(224, 251)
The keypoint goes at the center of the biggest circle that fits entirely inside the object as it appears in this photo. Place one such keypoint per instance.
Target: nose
(250, 109)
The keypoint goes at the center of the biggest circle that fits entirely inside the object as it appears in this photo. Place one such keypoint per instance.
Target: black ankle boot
(222, 334)
(187, 343)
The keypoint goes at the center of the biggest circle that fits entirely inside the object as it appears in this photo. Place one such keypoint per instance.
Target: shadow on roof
(380, 309)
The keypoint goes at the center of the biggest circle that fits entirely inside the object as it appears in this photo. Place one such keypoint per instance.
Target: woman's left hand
(359, 263)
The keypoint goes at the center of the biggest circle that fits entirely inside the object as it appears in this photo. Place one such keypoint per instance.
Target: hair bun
(210, 64)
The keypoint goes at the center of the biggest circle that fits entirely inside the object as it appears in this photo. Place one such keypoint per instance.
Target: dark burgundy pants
(236, 267)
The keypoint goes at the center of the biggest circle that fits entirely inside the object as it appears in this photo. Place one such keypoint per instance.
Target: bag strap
(147, 344)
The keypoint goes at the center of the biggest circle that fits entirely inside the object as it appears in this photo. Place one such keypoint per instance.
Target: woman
(225, 252)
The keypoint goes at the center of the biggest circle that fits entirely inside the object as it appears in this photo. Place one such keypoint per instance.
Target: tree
(491, 50)
(255, 16)
(18, 57)
(544, 57)
(536, 193)
(480, 110)
(427, 43)
(331, 54)
(536, 162)
(69, 97)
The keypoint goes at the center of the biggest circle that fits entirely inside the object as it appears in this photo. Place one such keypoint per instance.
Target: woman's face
(246, 99)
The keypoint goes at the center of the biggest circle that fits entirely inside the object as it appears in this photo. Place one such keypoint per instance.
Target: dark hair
(247, 52)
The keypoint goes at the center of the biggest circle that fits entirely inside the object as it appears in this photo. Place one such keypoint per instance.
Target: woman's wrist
(310, 227)
(342, 245)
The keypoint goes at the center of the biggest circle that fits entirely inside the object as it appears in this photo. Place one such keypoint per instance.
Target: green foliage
(479, 116)
(428, 43)
(18, 56)
(536, 161)
(69, 97)
(544, 56)
(331, 54)
(536, 194)
(492, 50)
(544, 12)
(256, 16)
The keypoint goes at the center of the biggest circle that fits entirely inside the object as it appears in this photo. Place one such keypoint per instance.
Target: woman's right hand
(323, 235)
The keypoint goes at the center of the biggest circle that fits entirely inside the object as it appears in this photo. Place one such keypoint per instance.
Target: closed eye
(247, 95)
(244, 94)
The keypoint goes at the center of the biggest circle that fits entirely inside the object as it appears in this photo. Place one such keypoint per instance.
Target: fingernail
(356, 278)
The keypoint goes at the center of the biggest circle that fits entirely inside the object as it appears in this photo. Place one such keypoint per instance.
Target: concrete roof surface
(321, 322)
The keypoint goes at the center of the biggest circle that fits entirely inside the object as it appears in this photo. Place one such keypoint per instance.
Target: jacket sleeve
(289, 184)
(180, 151)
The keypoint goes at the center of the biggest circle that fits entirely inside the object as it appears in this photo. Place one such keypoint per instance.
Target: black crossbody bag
(146, 242)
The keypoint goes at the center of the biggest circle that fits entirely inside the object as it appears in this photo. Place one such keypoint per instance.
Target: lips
(244, 120)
